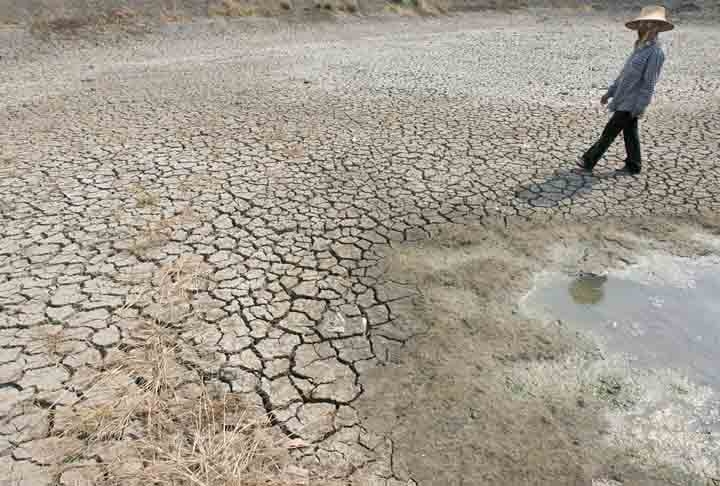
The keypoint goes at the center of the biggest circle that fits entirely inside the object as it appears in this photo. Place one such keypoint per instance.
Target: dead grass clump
(233, 8)
(155, 233)
(433, 6)
(121, 15)
(423, 7)
(51, 341)
(339, 6)
(180, 278)
(69, 23)
(62, 25)
(7, 165)
(348, 6)
(398, 9)
(150, 410)
(169, 291)
(325, 5)
(223, 444)
(145, 199)
(90, 21)
(151, 236)
(170, 13)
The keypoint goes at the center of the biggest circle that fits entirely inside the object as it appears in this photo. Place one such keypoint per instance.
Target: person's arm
(650, 76)
(609, 93)
(611, 90)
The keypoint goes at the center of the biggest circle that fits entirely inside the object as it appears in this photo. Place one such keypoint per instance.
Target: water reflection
(666, 314)
(587, 288)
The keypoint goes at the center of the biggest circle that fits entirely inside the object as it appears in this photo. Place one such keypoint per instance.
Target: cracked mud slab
(277, 165)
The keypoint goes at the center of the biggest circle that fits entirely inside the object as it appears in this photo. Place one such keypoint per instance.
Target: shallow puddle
(662, 312)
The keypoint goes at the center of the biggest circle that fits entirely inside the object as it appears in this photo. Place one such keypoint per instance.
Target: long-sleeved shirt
(634, 88)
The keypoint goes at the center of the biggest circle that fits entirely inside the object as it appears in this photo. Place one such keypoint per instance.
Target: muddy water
(662, 312)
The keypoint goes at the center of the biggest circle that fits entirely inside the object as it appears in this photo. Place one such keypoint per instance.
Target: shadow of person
(564, 184)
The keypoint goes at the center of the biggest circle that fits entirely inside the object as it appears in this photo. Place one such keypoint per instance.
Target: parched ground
(277, 163)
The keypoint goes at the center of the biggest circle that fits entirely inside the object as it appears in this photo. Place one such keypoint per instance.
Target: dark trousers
(621, 121)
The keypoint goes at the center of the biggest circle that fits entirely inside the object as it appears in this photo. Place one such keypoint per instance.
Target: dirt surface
(70, 14)
(485, 395)
(280, 161)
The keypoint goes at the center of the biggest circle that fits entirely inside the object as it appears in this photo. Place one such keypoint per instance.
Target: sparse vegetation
(46, 23)
(7, 167)
(616, 391)
(70, 17)
(50, 340)
(122, 14)
(145, 199)
(62, 25)
(170, 426)
(425, 7)
(156, 232)
(232, 8)
(145, 417)
(348, 6)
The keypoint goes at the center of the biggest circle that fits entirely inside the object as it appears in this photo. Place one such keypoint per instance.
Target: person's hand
(604, 100)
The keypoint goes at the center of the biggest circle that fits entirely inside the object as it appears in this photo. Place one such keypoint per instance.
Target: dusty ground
(283, 161)
(485, 395)
(74, 14)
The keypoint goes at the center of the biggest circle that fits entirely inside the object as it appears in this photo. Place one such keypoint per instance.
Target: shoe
(582, 167)
(627, 171)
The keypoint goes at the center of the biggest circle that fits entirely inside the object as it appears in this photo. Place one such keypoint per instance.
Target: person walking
(630, 94)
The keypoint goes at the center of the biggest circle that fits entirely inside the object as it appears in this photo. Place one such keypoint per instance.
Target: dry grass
(150, 237)
(145, 199)
(433, 6)
(233, 8)
(91, 21)
(415, 7)
(170, 291)
(180, 278)
(7, 165)
(294, 151)
(225, 444)
(51, 340)
(145, 418)
(346, 6)
(155, 233)
(176, 430)
(198, 183)
(399, 9)
(63, 24)
(122, 15)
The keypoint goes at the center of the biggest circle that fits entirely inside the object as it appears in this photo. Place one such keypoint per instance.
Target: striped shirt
(634, 88)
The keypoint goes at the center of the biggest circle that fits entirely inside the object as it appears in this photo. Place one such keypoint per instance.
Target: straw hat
(655, 14)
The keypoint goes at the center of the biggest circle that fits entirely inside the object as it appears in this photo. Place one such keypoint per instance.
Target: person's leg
(614, 126)
(633, 162)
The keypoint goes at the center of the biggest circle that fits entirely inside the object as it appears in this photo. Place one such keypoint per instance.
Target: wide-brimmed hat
(655, 14)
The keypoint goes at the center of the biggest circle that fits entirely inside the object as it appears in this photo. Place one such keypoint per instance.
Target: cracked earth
(280, 162)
